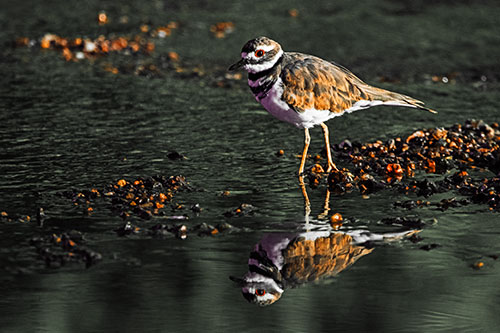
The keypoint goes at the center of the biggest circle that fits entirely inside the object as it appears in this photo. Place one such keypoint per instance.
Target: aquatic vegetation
(132, 53)
(142, 197)
(453, 152)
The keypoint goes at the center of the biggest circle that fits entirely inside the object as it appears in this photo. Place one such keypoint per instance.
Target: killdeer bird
(305, 90)
(282, 261)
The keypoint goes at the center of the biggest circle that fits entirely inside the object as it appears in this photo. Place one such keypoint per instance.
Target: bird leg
(307, 140)
(307, 203)
(331, 165)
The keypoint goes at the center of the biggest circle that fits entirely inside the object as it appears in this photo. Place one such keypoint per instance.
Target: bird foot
(332, 166)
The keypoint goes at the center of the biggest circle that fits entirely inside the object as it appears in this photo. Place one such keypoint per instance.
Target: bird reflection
(287, 260)
(307, 202)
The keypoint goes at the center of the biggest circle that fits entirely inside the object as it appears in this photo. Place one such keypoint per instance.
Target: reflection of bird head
(281, 261)
(259, 289)
(263, 283)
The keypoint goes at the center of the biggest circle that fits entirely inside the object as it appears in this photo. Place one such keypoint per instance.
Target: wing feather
(311, 82)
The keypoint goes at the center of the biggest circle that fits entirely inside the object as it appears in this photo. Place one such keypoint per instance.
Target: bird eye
(260, 292)
(259, 53)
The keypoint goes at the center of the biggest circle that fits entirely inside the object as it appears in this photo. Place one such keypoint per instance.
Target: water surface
(67, 125)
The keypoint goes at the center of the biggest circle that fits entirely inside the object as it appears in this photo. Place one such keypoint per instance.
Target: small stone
(127, 229)
(196, 208)
(478, 265)
(173, 155)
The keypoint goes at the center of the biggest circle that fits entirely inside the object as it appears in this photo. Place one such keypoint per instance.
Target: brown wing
(311, 82)
(308, 260)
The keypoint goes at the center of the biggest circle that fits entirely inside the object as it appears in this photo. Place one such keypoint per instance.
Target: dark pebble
(225, 227)
(59, 250)
(205, 229)
(429, 247)
(242, 210)
(413, 223)
(196, 208)
(127, 229)
(173, 155)
(161, 231)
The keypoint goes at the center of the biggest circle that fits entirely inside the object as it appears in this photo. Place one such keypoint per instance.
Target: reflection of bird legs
(307, 203)
(331, 165)
(326, 206)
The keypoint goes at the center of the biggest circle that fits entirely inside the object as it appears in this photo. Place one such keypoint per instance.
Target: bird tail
(391, 98)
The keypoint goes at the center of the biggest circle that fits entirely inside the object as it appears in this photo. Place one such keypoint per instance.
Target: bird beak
(237, 65)
(239, 281)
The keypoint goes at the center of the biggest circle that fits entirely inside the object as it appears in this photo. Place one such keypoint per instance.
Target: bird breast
(273, 102)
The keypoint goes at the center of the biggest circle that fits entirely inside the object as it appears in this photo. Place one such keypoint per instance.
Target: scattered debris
(133, 54)
(60, 249)
(204, 229)
(196, 208)
(293, 12)
(429, 247)
(182, 231)
(478, 265)
(221, 29)
(40, 217)
(409, 222)
(79, 48)
(173, 155)
(163, 231)
(127, 229)
(458, 149)
(142, 197)
(242, 210)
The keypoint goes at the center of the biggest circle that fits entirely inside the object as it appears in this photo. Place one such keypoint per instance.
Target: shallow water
(66, 125)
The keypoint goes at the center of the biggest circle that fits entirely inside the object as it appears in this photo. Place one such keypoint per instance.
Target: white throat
(256, 68)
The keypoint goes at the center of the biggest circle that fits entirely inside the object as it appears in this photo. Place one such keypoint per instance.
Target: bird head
(258, 55)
